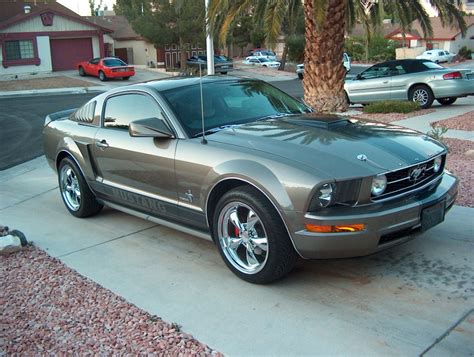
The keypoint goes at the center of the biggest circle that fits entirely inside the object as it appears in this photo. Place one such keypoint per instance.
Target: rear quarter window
(85, 114)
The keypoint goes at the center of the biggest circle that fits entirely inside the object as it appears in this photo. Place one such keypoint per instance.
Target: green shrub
(296, 45)
(465, 52)
(391, 107)
(437, 132)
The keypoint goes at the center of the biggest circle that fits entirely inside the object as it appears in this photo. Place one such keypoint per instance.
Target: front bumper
(386, 223)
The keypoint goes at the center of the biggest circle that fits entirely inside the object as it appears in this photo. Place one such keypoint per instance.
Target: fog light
(437, 164)
(379, 184)
(336, 228)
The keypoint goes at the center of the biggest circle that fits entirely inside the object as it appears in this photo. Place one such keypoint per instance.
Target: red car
(105, 68)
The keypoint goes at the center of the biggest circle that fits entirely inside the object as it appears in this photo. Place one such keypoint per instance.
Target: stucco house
(44, 36)
(445, 38)
(126, 44)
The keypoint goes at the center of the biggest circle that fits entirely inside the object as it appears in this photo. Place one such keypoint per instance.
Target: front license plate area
(433, 215)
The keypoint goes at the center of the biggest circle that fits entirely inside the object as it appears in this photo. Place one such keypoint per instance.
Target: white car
(437, 56)
(263, 54)
(260, 61)
(346, 62)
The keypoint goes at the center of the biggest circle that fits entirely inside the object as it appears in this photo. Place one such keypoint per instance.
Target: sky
(82, 6)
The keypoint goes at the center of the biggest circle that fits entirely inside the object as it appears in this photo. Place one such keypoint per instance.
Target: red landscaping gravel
(461, 163)
(390, 117)
(49, 309)
(461, 122)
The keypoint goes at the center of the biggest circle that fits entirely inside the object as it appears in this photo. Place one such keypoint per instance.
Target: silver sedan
(422, 81)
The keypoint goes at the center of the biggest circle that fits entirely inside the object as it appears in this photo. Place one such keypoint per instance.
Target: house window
(18, 50)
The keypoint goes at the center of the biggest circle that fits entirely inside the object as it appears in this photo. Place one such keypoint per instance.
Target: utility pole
(209, 43)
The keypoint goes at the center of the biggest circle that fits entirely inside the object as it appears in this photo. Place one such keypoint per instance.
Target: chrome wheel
(242, 237)
(70, 189)
(421, 96)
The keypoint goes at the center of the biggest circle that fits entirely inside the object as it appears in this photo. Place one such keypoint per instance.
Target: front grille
(410, 178)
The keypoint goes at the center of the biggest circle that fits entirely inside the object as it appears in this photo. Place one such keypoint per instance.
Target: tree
(325, 25)
(165, 22)
(94, 8)
(270, 18)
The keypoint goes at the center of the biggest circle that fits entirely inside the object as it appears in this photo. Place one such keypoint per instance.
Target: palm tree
(325, 26)
(272, 14)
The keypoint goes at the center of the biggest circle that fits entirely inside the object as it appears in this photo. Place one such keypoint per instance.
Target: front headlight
(437, 164)
(379, 184)
(324, 194)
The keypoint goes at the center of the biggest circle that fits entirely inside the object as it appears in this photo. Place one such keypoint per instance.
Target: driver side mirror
(150, 127)
(359, 77)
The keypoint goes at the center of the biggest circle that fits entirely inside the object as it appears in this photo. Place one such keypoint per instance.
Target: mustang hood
(334, 145)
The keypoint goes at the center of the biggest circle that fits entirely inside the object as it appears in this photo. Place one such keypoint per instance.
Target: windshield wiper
(214, 130)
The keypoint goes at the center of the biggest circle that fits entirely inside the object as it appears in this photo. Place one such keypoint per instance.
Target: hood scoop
(319, 121)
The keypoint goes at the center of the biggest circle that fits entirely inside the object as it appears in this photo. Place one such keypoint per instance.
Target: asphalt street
(21, 120)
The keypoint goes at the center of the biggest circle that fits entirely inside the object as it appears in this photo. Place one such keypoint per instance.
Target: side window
(122, 109)
(376, 71)
(94, 61)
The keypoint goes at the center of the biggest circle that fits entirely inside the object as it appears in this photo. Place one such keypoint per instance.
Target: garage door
(66, 53)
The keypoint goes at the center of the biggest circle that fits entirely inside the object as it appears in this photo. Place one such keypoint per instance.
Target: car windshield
(268, 53)
(264, 60)
(114, 63)
(228, 103)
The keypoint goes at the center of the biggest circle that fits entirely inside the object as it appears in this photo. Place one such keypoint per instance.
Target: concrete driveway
(415, 298)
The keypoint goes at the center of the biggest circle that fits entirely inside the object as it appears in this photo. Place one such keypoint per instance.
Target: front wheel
(300, 75)
(251, 237)
(82, 73)
(125, 78)
(422, 95)
(446, 101)
(76, 194)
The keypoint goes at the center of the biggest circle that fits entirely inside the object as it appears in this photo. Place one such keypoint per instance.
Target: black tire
(102, 76)
(265, 242)
(71, 182)
(446, 101)
(300, 75)
(125, 78)
(82, 73)
(422, 95)
(223, 72)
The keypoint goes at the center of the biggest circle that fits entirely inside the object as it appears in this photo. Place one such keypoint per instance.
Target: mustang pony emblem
(417, 173)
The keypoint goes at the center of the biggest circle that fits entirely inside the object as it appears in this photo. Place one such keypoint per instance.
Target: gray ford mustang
(246, 165)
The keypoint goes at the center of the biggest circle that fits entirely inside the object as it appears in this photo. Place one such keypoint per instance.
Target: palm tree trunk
(324, 73)
(283, 58)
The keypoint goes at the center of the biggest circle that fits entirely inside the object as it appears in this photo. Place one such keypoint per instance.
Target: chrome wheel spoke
(70, 189)
(234, 243)
(234, 219)
(251, 259)
(261, 243)
(252, 219)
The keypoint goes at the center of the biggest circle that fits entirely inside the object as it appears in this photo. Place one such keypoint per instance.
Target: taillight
(452, 75)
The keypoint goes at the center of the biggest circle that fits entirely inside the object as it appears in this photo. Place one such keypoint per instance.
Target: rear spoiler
(58, 115)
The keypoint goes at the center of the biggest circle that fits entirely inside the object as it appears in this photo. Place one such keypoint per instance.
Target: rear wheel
(82, 73)
(102, 76)
(300, 75)
(76, 194)
(422, 95)
(251, 237)
(125, 78)
(446, 101)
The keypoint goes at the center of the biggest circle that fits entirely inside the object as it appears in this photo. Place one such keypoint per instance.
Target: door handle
(102, 144)
(385, 82)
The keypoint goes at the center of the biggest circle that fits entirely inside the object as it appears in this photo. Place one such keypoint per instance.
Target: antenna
(203, 141)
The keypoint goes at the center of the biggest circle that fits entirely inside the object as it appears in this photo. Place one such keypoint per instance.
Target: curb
(58, 91)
